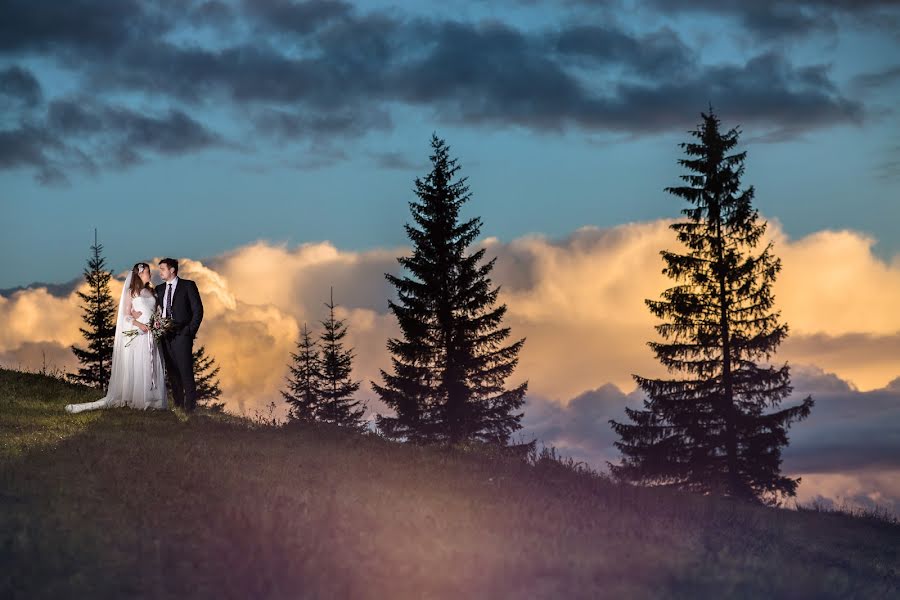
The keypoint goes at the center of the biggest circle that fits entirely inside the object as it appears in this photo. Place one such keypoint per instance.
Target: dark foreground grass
(123, 503)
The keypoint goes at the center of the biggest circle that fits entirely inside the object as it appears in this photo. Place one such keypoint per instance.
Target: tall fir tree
(710, 428)
(304, 383)
(450, 367)
(336, 403)
(99, 315)
(206, 373)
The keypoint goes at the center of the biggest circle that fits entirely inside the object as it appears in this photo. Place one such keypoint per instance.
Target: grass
(123, 503)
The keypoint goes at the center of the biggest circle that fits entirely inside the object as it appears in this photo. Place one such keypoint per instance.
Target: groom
(180, 301)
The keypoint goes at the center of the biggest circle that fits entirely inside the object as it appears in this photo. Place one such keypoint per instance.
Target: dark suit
(178, 344)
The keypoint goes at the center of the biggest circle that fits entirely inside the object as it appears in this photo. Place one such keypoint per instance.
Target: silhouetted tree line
(715, 426)
(206, 373)
(320, 387)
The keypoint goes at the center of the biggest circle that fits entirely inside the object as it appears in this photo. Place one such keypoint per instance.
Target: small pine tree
(337, 389)
(99, 314)
(303, 386)
(708, 430)
(205, 376)
(450, 367)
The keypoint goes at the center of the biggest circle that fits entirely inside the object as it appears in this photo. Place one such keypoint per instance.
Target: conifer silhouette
(305, 381)
(206, 373)
(99, 314)
(336, 403)
(449, 368)
(708, 429)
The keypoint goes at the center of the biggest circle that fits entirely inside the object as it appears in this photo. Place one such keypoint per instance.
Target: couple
(137, 377)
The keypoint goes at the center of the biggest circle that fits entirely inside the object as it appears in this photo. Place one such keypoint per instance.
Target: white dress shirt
(173, 283)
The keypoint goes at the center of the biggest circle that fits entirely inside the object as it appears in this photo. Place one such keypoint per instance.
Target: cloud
(20, 85)
(877, 79)
(659, 53)
(580, 428)
(36, 316)
(37, 356)
(783, 19)
(848, 449)
(835, 294)
(591, 286)
(172, 132)
(395, 160)
(55, 289)
(862, 489)
(297, 17)
(848, 430)
(89, 27)
(211, 13)
(29, 146)
(86, 134)
(521, 85)
(316, 71)
(869, 359)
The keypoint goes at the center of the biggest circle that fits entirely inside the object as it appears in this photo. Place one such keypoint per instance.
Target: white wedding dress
(137, 375)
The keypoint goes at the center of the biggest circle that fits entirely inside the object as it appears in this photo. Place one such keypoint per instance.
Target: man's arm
(196, 308)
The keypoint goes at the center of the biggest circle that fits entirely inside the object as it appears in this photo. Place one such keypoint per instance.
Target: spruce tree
(449, 369)
(336, 403)
(205, 377)
(99, 315)
(714, 428)
(304, 383)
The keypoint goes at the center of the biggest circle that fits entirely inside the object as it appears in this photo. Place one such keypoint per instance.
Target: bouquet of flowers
(158, 327)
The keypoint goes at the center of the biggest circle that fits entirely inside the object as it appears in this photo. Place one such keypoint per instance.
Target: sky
(272, 147)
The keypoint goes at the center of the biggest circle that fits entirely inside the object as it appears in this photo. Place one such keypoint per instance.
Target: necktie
(169, 300)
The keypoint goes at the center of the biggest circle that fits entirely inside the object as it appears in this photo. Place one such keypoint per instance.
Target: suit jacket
(187, 309)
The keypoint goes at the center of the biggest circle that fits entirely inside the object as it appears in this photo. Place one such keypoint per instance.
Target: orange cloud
(579, 302)
(870, 490)
(832, 283)
(37, 316)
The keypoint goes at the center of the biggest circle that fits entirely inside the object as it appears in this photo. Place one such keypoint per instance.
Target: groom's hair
(171, 263)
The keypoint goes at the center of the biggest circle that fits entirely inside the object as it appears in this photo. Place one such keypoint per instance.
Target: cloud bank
(579, 301)
(91, 87)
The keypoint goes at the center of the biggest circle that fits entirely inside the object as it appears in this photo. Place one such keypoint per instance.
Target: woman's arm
(131, 315)
(128, 311)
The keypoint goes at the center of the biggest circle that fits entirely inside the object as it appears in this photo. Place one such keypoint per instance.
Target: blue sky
(191, 131)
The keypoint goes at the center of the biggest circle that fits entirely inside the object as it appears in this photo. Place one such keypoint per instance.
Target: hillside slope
(122, 503)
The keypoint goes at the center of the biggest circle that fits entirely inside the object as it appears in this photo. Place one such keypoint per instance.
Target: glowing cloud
(579, 301)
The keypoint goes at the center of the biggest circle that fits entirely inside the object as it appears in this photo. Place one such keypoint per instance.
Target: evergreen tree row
(320, 387)
(715, 426)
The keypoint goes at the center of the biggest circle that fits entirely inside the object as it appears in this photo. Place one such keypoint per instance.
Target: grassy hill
(123, 503)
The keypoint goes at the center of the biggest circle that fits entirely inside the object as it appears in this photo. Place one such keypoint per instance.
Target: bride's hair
(136, 284)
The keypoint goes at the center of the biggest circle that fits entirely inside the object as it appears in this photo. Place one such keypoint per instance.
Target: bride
(137, 378)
